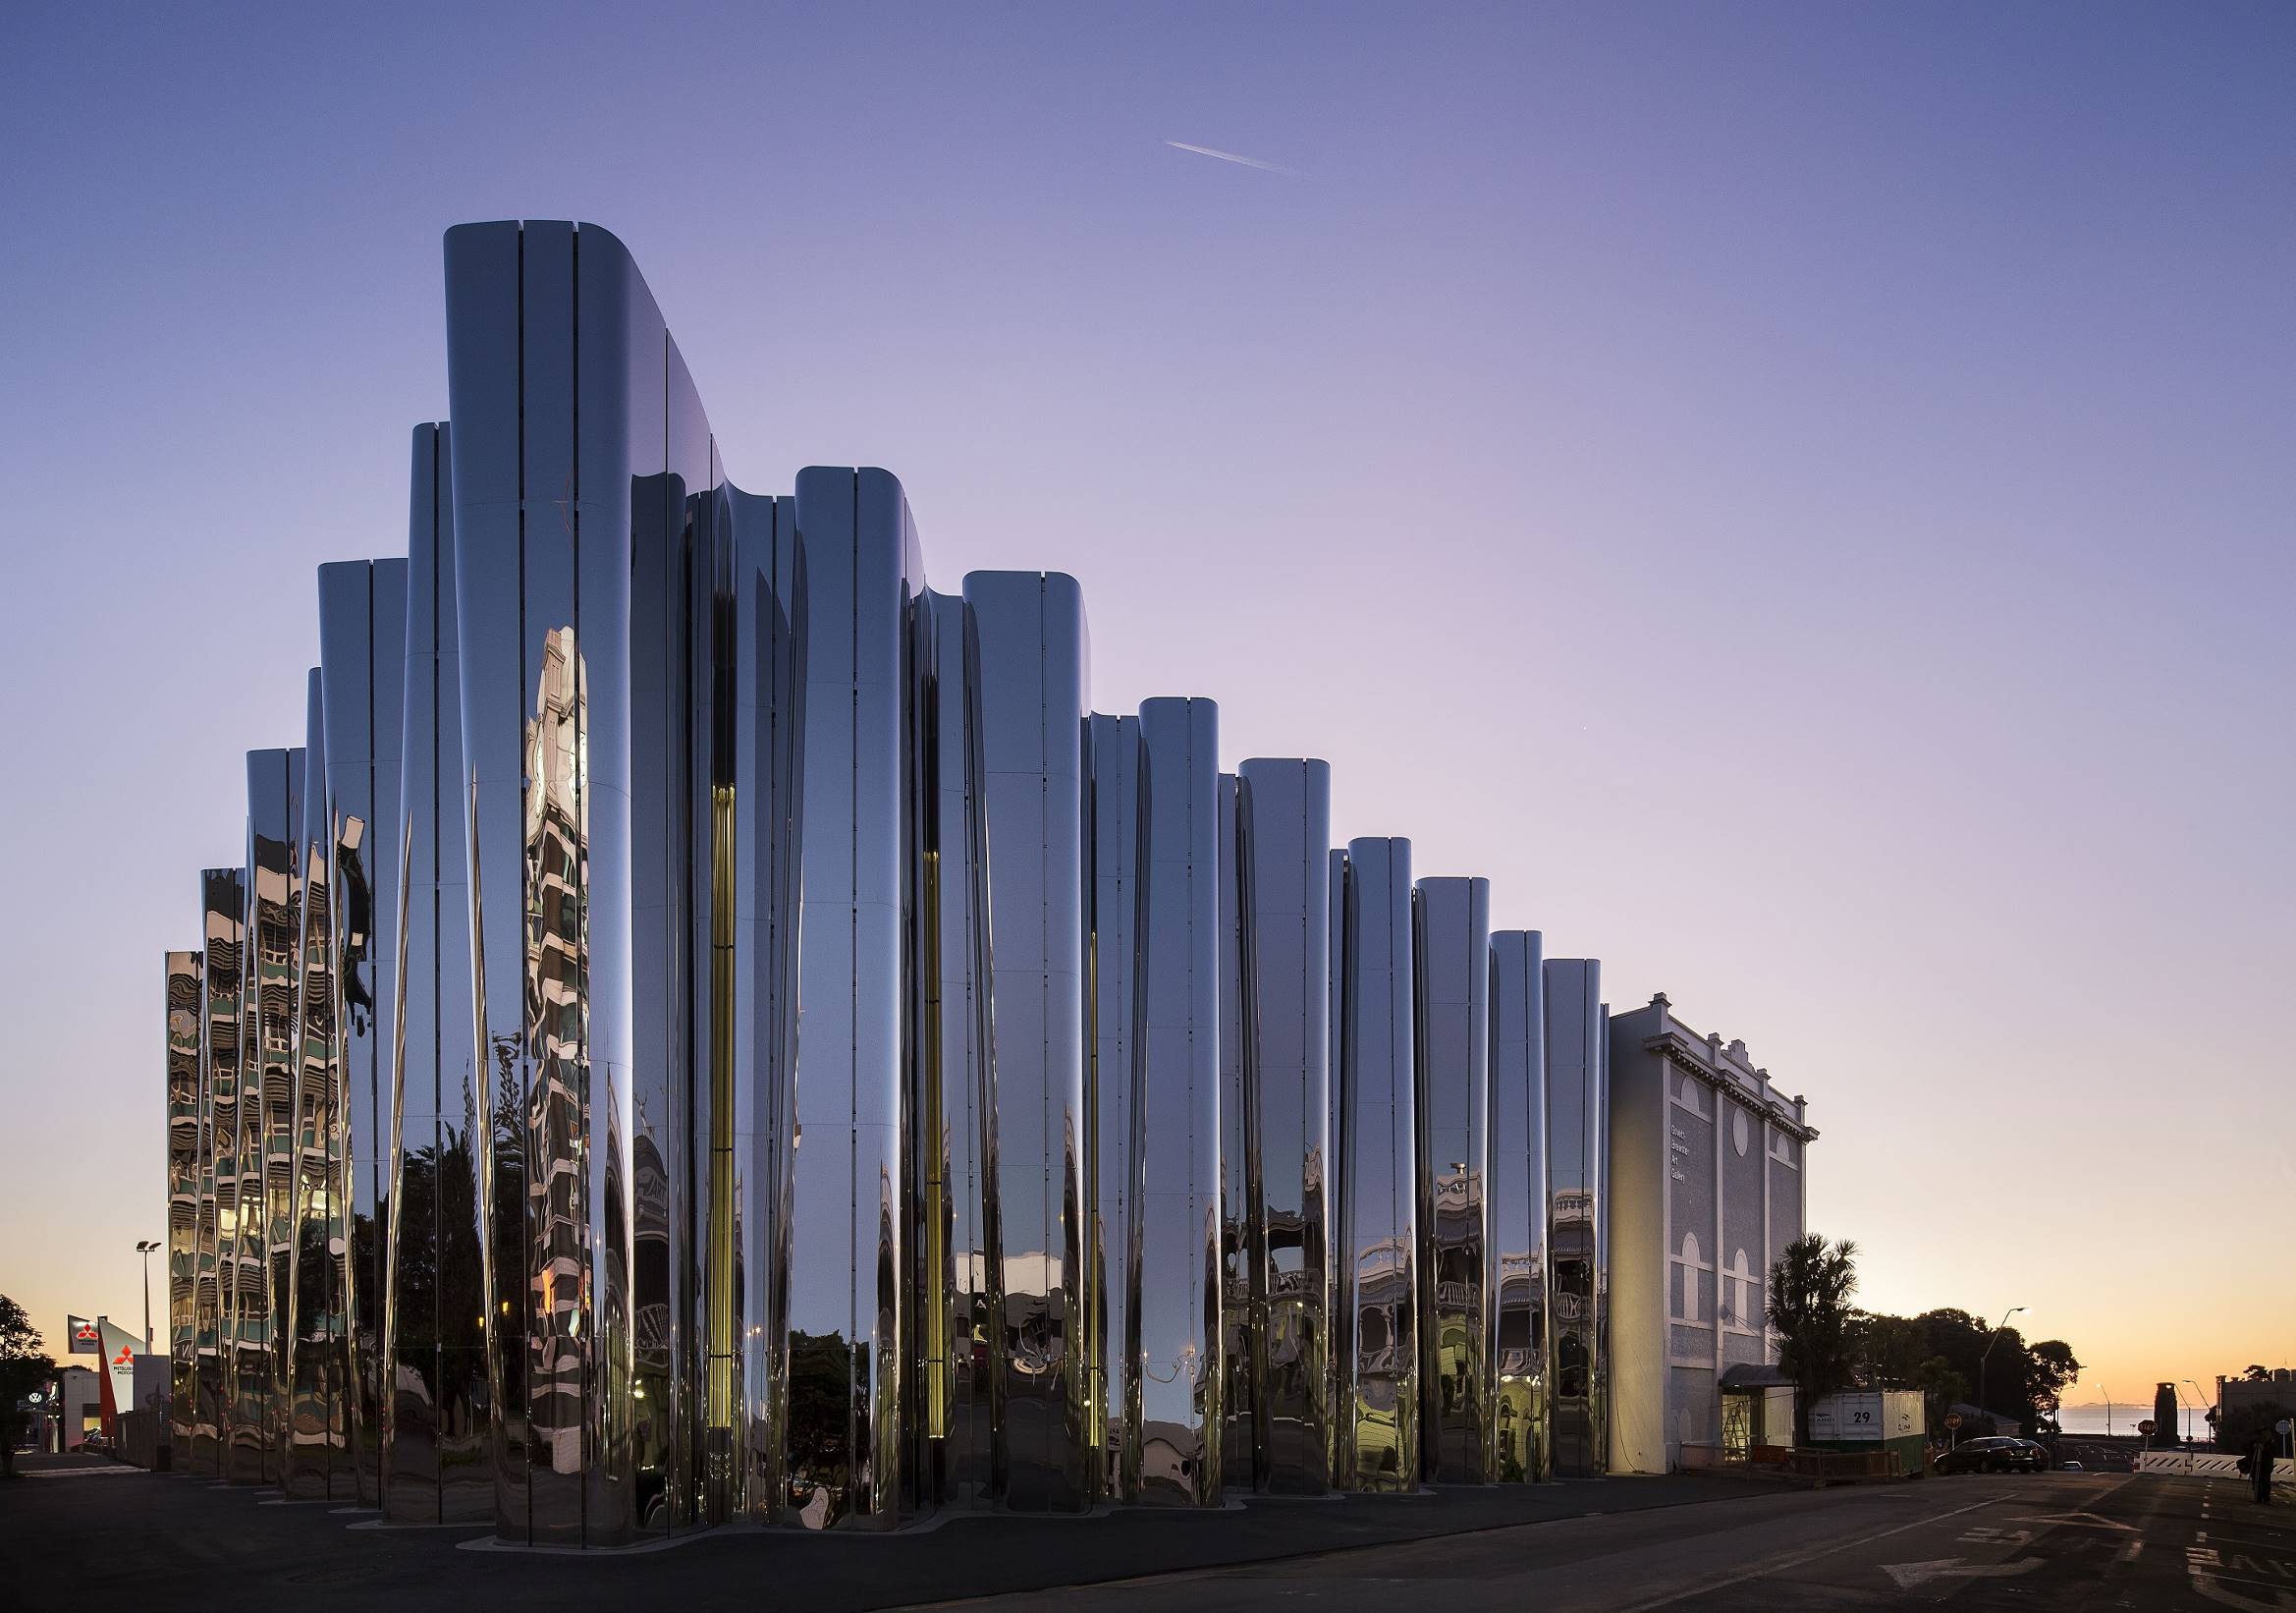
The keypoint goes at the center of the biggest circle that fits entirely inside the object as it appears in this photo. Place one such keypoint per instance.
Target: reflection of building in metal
(1578, 1279)
(315, 1369)
(223, 903)
(729, 1033)
(1377, 1238)
(1450, 949)
(358, 825)
(1517, 1200)
(1706, 1193)
(1177, 1287)
(271, 975)
(428, 1368)
(1282, 832)
(184, 1125)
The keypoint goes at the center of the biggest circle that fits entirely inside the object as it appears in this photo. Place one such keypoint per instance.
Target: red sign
(2146, 1427)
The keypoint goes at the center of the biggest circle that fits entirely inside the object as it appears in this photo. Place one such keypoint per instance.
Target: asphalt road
(91, 1533)
(2060, 1540)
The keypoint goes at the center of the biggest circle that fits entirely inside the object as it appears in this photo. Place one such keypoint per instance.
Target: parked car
(1995, 1456)
(2071, 1467)
(95, 1443)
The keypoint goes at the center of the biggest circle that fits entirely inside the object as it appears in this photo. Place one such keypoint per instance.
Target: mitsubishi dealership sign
(119, 1379)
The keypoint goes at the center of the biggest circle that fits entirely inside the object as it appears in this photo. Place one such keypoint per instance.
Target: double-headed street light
(144, 1246)
(1988, 1355)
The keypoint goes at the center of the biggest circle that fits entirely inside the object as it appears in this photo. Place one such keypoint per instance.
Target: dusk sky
(1802, 497)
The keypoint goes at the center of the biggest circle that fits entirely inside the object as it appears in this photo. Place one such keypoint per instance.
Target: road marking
(1795, 1560)
(2132, 1552)
(2083, 1520)
(1909, 1574)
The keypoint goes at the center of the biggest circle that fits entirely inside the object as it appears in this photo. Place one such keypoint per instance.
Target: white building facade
(1706, 1190)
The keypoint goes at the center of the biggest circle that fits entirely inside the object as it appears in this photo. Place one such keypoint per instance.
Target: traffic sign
(1952, 1419)
(2146, 1427)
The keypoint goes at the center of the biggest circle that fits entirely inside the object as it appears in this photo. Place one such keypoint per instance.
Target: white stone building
(1706, 1193)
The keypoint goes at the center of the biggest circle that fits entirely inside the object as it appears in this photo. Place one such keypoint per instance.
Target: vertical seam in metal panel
(522, 1065)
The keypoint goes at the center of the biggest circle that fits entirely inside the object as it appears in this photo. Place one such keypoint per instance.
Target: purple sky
(1799, 496)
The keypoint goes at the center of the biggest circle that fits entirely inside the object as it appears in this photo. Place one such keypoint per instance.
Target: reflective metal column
(558, 372)
(314, 1454)
(1576, 1103)
(432, 1358)
(1111, 1323)
(1284, 811)
(223, 920)
(1378, 1242)
(768, 602)
(1339, 1378)
(1033, 662)
(269, 974)
(1451, 954)
(1177, 1291)
(1243, 1297)
(848, 1271)
(362, 648)
(1517, 1200)
(185, 1097)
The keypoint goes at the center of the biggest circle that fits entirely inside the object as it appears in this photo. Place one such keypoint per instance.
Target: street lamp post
(145, 1248)
(2196, 1392)
(1988, 1355)
(2108, 1394)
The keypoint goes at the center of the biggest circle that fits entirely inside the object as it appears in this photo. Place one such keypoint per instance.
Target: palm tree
(1809, 1304)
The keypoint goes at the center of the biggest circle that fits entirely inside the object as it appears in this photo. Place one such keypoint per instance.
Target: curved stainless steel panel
(1242, 1291)
(1452, 955)
(767, 601)
(1517, 1198)
(1377, 1241)
(186, 1202)
(1282, 828)
(1576, 1104)
(223, 920)
(268, 974)
(1337, 1391)
(1111, 1329)
(957, 1235)
(846, 1268)
(559, 371)
(1176, 1290)
(1033, 706)
(435, 1466)
(315, 1456)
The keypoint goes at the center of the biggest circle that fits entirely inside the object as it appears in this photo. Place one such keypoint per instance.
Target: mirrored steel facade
(185, 1125)
(1282, 830)
(708, 1027)
(429, 1363)
(1451, 953)
(269, 981)
(1177, 1282)
(1378, 1242)
(356, 815)
(1517, 1207)
(1576, 1250)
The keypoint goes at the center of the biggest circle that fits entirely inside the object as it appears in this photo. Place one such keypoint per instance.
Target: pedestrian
(2264, 1447)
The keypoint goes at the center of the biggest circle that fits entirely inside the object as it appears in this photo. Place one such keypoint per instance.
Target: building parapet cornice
(1727, 1069)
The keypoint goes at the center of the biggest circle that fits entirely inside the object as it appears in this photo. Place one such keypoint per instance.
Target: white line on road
(1778, 1565)
(1909, 1574)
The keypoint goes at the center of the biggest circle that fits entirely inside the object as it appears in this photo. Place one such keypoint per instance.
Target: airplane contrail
(1228, 156)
